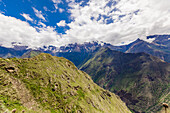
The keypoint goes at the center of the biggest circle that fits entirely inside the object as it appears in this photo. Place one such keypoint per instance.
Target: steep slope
(10, 52)
(159, 47)
(160, 51)
(47, 84)
(163, 40)
(141, 80)
(80, 53)
(31, 53)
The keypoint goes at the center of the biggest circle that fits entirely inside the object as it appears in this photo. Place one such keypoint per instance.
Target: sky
(36, 23)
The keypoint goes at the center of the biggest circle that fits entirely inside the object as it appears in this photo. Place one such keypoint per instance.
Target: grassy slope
(47, 84)
(142, 79)
(31, 53)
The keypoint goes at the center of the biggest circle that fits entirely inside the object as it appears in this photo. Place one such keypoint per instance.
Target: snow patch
(150, 40)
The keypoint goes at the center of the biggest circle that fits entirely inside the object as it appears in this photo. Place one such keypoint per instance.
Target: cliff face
(47, 84)
(141, 80)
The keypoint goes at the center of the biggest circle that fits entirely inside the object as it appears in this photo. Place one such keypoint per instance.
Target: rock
(102, 96)
(107, 93)
(76, 87)
(14, 111)
(69, 85)
(10, 69)
(89, 87)
(79, 111)
(165, 105)
(68, 64)
(53, 89)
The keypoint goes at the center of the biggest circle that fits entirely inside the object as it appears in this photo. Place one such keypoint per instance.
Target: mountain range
(159, 47)
(138, 72)
(141, 80)
(80, 53)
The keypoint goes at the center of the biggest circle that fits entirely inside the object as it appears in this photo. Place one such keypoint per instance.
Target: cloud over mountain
(114, 21)
(117, 21)
(15, 30)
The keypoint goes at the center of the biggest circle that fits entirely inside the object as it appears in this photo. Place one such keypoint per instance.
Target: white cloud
(61, 10)
(27, 17)
(42, 24)
(45, 8)
(39, 14)
(62, 23)
(56, 2)
(132, 19)
(15, 30)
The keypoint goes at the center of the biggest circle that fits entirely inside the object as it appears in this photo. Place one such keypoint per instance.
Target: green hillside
(31, 53)
(141, 80)
(47, 84)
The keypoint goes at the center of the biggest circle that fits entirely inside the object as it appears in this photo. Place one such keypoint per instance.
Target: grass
(53, 85)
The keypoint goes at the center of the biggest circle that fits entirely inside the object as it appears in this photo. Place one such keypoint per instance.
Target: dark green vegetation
(10, 52)
(141, 80)
(80, 53)
(78, 58)
(47, 84)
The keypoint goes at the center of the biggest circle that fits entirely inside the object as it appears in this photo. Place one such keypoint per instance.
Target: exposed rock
(10, 69)
(76, 87)
(107, 93)
(14, 111)
(102, 95)
(165, 105)
(68, 64)
(89, 87)
(79, 111)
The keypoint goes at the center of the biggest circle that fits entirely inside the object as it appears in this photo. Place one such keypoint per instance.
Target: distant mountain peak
(138, 40)
(31, 53)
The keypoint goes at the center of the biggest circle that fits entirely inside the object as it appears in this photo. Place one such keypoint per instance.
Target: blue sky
(59, 22)
(48, 10)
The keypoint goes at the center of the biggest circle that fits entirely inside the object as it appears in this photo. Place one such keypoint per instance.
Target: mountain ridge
(135, 77)
(50, 84)
(80, 53)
